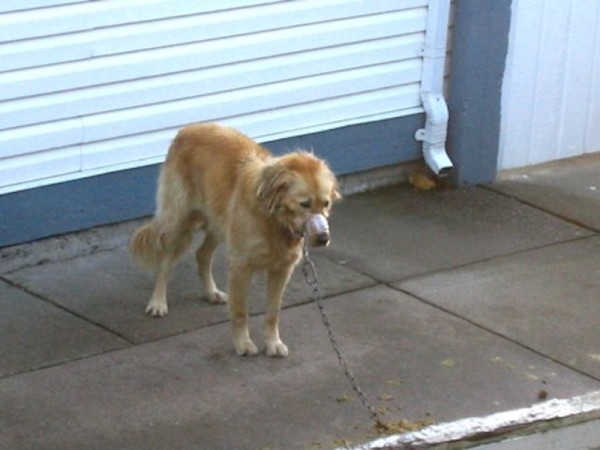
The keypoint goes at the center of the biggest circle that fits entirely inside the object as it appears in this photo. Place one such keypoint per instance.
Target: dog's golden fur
(219, 180)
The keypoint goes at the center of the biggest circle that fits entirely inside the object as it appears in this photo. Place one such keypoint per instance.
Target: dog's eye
(326, 204)
(305, 204)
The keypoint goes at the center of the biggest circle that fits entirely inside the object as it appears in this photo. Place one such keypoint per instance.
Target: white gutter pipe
(433, 135)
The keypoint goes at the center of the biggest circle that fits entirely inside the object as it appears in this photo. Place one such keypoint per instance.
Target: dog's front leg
(276, 282)
(239, 281)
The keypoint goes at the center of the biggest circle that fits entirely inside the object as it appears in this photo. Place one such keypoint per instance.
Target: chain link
(310, 275)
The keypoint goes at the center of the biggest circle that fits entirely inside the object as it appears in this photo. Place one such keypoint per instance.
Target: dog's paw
(157, 309)
(216, 297)
(245, 347)
(276, 349)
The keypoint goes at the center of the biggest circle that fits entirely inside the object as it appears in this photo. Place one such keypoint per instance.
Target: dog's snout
(322, 239)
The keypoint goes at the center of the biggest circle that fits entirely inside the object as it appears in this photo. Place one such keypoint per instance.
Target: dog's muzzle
(317, 231)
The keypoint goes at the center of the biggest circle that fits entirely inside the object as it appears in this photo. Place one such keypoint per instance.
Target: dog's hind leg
(157, 306)
(276, 282)
(204, 258)
(174, 240)
(160, 243)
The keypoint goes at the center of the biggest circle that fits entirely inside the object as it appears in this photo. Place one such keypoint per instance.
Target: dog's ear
(335, 192)
(273, 183)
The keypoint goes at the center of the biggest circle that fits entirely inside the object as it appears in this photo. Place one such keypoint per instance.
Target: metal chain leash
(310, 275)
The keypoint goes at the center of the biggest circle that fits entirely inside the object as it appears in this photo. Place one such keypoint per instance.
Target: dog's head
(295, 187)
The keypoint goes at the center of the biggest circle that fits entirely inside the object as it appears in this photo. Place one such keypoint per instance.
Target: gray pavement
(447, 304)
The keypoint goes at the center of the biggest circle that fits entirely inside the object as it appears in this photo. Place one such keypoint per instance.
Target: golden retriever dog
(217, 179)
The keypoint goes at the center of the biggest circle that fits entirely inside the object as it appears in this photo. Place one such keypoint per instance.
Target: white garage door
(98, 86)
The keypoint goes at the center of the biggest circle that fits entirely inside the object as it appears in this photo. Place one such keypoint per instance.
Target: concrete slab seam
(63, 308)
(485, 260)
(569, 220)
(495, 333)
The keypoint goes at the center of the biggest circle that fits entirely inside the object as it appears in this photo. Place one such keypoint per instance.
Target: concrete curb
(476, 432)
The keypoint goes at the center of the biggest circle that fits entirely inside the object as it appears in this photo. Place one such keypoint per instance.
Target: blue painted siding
(117, 196)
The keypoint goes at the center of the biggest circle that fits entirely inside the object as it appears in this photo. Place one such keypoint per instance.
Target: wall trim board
(481, 31)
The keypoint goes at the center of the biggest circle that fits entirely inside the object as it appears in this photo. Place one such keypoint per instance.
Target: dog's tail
(160, 241)
(147, 246)
(169, 233)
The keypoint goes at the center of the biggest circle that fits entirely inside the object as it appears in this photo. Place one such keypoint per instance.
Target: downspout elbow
(433, 135)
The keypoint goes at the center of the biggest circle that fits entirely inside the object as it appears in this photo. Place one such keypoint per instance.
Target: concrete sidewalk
(447, 304)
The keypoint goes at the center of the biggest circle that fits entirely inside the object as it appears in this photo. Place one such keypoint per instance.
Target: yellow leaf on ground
(343, 398)
(421, 181)
(448, 362)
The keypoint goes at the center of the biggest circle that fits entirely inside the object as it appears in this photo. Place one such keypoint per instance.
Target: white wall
(551, 88)
(88, 87)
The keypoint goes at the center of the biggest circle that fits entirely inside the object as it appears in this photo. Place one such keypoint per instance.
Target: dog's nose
(322, 239)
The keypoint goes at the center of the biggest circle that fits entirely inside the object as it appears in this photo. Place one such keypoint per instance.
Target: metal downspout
(433, 135)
